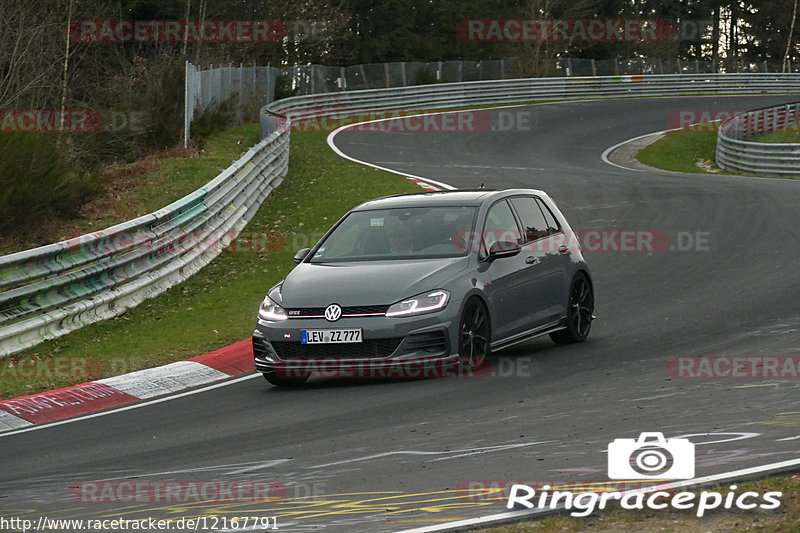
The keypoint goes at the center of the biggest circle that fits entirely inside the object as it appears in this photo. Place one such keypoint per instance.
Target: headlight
(422, 303)
(270, 311)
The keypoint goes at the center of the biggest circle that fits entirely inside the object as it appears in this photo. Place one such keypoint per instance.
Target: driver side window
(500, 226)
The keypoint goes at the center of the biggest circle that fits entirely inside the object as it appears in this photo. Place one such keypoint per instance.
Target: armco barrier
(437, 96)
(54, 289)
(764, 159)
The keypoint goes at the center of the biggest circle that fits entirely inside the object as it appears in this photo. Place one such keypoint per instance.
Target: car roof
(460, 197)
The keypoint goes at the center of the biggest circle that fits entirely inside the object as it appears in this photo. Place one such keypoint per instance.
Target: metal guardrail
(437, 96)
(60, 287)
(54, 289)
(764, 159)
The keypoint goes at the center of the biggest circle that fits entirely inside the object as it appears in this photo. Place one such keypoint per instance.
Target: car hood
(366, 283)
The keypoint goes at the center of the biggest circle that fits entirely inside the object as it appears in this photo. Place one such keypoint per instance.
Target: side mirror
(504, 249)
(300, 255)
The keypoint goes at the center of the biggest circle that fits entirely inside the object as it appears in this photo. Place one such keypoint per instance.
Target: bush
(283, 87)
(36, 182)
(164, 101)
(426, 76)
(215, 118)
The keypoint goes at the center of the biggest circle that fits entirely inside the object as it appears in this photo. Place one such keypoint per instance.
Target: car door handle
(563, 248)
(532, 260)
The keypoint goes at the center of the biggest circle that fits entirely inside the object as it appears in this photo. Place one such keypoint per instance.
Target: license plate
(330, 336)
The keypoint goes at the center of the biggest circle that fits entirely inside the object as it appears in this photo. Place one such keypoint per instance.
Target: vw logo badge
(333, 312)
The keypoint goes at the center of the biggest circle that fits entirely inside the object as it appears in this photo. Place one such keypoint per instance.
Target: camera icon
(651, 456)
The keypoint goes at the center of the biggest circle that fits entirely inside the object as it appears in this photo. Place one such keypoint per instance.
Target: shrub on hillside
(35, 181)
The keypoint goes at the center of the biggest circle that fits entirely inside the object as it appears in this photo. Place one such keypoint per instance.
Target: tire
(280, 381)
(474, 332)
(579, 312)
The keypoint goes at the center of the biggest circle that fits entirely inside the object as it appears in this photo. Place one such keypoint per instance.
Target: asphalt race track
(387, 455)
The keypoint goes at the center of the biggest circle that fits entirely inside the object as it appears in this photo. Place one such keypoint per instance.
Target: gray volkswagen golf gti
(420, 285)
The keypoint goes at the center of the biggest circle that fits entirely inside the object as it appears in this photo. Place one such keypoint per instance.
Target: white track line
(332, 135)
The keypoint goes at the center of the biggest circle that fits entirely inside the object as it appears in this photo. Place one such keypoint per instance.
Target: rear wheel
(281, 381)
(579, 312)
(474, 333)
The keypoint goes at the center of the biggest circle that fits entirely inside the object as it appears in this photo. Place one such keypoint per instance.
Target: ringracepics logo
(564, 30)
(649, 457)
(176, 31)
(655, 458)
(586, 503)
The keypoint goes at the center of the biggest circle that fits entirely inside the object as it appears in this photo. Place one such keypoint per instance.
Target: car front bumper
(413, 347)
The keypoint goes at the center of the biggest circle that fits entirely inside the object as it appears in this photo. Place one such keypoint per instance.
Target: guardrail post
(187, 117)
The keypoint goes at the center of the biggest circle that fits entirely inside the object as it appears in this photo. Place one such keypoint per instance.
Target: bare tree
(28, 55)
(789, 40)
(535, 58)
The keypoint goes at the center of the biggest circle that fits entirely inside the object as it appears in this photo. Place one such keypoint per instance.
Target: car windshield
(399, 233)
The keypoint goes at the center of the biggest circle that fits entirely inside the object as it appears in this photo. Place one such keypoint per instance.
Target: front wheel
(579, 312)
(281, 381)
(474, 333)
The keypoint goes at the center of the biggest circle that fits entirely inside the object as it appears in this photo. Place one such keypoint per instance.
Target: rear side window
(552, 223)
(534, 224)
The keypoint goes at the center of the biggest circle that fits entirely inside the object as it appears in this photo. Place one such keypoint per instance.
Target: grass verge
(786, 135)
(784, 519)
(690, 150)
(217, 306)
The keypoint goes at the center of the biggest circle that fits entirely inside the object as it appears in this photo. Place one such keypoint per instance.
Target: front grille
(300, 312)
(368, 348)
(430, 342)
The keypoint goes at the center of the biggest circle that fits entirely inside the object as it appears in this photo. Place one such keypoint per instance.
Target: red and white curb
(97, 395)
(425, 185)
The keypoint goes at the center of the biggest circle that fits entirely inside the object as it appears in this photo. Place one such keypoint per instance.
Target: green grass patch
(686, 150)
(785, 135)
(784, 519)
(217, 306)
